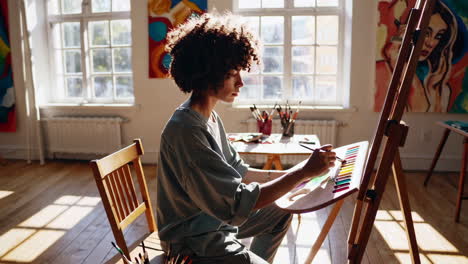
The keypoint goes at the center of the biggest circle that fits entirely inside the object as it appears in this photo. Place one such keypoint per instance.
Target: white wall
(156, 98)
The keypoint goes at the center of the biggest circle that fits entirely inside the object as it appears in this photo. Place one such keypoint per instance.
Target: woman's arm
(318, 163)
(261, 176)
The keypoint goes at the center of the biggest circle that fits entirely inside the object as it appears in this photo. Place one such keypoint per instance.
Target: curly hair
(204, 49)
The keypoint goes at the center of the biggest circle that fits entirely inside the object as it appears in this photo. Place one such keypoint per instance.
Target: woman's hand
(321, 160)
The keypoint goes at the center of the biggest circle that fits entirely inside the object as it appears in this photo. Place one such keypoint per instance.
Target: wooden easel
(395, 131)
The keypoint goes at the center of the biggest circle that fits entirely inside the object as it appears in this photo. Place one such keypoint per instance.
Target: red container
(264, 127)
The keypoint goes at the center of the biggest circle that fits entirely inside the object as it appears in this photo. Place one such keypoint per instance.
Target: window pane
(272, 30)
(326, 88)
(101, 60)
(272, 87)
(71, 6)
(103, 86)
(122, 60)
(101, 6)
(303, 87)
(74, 87)
(72, 61)
(252, 87)
(327, 27)
(253, 22)
(303, 59)
(53, 7)
(71, 35)
(327, 60)
(273, 59)
(121, 32)
(99, 33)
(303, 30)
(124, 86)
(249, 3)
(120, 5)
(327, 2)
(272, 3)
(304, 3)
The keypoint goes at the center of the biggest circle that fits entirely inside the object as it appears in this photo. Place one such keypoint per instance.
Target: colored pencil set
(343, 180)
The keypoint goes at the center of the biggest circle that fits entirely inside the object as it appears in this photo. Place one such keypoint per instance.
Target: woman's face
(231, 87)
(436, 29)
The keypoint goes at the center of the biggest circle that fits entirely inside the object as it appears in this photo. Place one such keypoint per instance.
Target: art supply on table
(287, 118)
(264, 120)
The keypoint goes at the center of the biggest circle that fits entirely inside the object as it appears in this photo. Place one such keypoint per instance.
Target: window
(91, 47)
(301, 54)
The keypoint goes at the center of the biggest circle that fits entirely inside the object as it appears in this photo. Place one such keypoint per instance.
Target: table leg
(269, 162)
(461, 183)
(437, 155)
(277, 162)
(273, 159)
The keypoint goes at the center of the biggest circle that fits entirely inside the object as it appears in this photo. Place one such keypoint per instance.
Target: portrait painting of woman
(442, 62)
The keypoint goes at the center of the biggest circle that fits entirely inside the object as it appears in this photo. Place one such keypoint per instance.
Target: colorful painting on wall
(441, 80)
(7, 92)
(163, 15)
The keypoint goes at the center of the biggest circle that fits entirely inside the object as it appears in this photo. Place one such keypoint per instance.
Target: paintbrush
(121, 253)
(343, 161)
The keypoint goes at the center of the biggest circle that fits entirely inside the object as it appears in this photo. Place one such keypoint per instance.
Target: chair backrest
(115, 183)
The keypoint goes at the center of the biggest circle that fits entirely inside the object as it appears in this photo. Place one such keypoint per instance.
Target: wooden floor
(53, 214)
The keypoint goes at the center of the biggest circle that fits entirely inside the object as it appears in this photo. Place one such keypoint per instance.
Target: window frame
(57, 93)
(287, 12)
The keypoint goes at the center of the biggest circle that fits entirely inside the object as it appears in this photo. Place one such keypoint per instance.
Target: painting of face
(435, 31)
(440, 80)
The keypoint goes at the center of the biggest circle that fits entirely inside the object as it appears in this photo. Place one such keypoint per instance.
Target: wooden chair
(115, 183)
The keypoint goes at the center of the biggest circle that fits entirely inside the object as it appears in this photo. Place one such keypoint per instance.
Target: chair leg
(437, 155)
(120, 241)
(461, 183)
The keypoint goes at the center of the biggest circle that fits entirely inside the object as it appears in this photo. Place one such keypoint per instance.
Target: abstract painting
(7, 91)
(163, 15)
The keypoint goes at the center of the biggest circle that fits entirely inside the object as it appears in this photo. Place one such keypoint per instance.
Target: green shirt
(200, 195)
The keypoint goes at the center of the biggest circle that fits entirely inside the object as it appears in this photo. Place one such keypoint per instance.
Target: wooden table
(455, 127)
(276, 146)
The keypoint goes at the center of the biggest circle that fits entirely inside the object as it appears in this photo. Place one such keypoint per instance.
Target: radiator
(326, 131)
(82, 135)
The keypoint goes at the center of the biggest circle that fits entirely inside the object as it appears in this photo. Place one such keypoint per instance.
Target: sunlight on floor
(433, 246)
(36, 234)
(4, 194)
(295, 247)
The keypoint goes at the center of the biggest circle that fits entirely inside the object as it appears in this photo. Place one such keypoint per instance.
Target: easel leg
(405, 207)
(461, 183)
(325, 229)
(437, 155)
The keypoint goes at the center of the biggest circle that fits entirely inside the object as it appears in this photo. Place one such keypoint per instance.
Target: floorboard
(53, 214)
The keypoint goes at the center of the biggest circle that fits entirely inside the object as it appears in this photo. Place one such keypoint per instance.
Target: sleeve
(235, 160)
(215, 186)
(230, 153)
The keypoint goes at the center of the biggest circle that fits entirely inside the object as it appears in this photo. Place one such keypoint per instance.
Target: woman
(207, 198)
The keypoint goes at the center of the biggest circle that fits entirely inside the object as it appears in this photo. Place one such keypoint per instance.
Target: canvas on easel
(391, 130)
